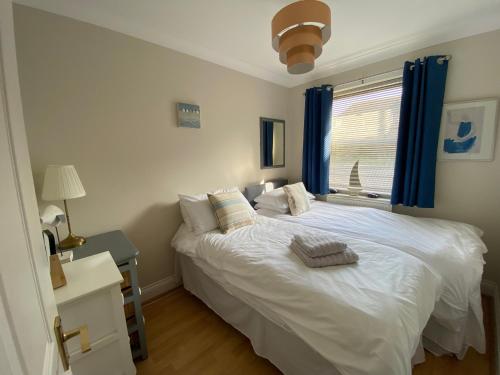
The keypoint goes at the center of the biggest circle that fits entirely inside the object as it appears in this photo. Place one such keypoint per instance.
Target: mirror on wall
(272, 143)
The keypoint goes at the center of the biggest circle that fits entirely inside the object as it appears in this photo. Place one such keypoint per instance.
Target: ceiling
(237, 33)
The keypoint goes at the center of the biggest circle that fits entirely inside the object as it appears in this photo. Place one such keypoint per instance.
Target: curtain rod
(439, 60)
(330, 87)
(364, 78)
(327, 89)
(368, 88)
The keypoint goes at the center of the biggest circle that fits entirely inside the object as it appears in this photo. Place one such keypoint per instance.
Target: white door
(27, 306)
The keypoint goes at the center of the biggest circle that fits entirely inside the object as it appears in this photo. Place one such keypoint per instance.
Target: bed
(359, 319)
(452, 250)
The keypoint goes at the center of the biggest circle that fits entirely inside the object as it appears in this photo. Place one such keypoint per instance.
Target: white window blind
(365, 128)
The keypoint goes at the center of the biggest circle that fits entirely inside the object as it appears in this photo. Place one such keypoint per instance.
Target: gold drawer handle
(62, 337)
(83, 331)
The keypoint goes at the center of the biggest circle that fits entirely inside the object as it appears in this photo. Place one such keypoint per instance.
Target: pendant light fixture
(299, 31)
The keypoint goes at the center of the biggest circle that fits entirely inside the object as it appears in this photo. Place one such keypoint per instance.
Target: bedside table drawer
(97, 312)
(94, 362)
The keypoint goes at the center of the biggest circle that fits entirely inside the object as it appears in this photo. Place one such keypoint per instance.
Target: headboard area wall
(253, 191)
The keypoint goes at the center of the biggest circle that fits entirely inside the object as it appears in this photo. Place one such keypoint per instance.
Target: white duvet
(365, 318)
(453, 250)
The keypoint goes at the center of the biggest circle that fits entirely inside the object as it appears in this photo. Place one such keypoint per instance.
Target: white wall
(105, 102)
(466, 191)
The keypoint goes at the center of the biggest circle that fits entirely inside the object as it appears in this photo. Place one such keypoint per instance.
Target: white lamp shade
(61, 182)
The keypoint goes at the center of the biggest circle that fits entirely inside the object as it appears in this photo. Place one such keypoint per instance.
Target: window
(365, 128)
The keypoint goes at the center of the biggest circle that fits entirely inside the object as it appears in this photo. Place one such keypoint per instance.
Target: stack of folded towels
(322, 251)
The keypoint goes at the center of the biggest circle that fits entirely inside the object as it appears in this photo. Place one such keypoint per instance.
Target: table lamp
(61, 182)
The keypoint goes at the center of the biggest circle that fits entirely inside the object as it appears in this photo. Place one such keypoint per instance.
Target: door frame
(28, 208)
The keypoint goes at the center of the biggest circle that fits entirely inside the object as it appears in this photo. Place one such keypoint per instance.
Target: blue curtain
(419, 122)
(317, 138)
(267, 137)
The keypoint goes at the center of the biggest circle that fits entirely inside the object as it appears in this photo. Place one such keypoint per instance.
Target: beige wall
(105, 102)
(466, 191)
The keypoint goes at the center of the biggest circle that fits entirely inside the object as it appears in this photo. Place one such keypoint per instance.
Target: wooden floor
(186, 337)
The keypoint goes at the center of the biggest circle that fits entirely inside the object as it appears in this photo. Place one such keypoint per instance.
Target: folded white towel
(319, 245)
(346, 257)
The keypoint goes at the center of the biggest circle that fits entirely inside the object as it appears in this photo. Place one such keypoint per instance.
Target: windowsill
(359, 200)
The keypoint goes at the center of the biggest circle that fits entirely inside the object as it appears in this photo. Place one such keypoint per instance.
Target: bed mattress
(453, 250)
(364, 319)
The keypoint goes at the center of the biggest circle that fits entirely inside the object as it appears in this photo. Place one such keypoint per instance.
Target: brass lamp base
(71, 241)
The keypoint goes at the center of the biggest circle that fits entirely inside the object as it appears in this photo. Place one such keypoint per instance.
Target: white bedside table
(92, 297)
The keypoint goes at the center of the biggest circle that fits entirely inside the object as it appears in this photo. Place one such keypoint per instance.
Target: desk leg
(138, 310)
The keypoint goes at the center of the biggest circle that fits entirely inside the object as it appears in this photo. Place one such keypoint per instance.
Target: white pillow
(265, 206)
(277, 198)
(198, 213)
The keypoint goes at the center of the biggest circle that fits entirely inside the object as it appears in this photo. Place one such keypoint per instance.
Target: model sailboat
(354, 184)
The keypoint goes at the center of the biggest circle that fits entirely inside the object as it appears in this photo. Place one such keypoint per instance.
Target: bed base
(290, 354)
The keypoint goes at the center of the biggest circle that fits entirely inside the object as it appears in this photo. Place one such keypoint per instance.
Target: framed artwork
(188, 115)
(468, 130)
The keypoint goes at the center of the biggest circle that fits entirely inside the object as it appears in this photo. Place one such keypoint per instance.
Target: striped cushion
(297, 198)
(231, 211)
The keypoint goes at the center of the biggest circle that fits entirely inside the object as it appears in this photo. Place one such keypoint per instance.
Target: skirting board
(159, 287)
(490, 288)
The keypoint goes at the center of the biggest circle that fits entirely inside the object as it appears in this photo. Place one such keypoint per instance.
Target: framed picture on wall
(468, 130)
(188, 115)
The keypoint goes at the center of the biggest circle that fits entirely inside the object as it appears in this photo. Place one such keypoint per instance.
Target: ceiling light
(299, 32)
